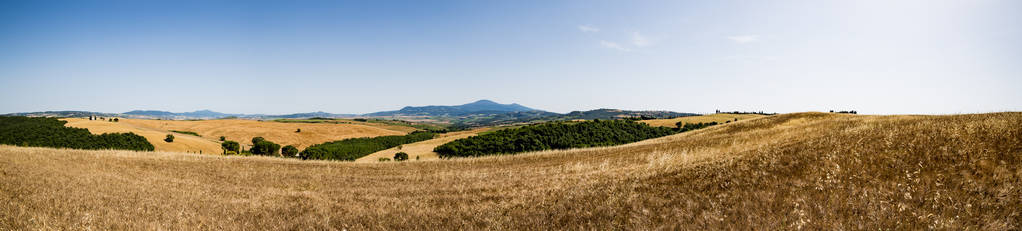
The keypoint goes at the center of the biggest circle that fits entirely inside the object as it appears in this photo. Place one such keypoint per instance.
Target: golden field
(182, 142)
(719, 118)
(422, 150)
(814, 171)
(241, 130)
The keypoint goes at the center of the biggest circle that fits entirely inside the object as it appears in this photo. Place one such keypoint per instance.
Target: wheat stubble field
(719, 118)
(237, 130)
(792, 171)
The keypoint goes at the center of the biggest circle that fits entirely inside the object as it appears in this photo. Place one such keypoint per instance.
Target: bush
(51, 132)
(400, 156)
(222, 138)
(263, 147)
(289, 151)
(383, 159)
(187, 133)
(299, 130)
(354, 148)
(169, 139)
(230, 146)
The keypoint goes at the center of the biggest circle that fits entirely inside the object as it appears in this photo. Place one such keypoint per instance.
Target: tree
(289, 151)
(117, 120)
(169, 139)
(230, 146)
(400, 156)
(222, 138)
(257, 139)
(263, 147)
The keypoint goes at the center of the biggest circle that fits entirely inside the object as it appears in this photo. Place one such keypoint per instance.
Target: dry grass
(796, 171)
(719, 118)
(422, 150)
(244, 130)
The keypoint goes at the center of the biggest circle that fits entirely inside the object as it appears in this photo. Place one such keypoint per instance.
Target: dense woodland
(351, 149)
(553, 135)
(51, 132)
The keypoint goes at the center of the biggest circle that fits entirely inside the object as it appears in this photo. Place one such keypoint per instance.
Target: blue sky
(877, 57)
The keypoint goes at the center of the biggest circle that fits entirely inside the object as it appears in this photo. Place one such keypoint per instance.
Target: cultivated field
(719, 118)
(813, 171)
(424, 149)
(244, 130)
(182, 142)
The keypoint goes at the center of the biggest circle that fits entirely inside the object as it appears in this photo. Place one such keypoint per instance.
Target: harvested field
(182, 142)
(719, 118)
(424, 149)
(282, 133)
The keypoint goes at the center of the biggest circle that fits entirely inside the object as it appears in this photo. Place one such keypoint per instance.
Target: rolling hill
(237, 130)
(815, 171)
(478, 107)
(719, 118)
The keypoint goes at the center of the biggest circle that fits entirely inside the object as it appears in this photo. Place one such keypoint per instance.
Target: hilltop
(477, 107)
(816, 171)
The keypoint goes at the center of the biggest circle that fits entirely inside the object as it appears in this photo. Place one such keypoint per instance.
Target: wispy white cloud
(743, 39)
(613, 45)
(587, 28)
(640, 41)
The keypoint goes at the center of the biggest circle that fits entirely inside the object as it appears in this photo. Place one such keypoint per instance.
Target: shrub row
(553, 135)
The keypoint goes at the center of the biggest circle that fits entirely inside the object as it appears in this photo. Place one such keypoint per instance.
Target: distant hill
(311, 115)
(478, 107)
(475, 114)
(61, 114)
(605, 113)
(200, 114)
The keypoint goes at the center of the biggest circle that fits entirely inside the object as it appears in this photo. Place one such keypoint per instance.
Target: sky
(281, 57)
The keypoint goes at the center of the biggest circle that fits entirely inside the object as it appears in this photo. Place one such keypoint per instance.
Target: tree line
(553, 135)
(354, 148)
(51, 132)
(746, 112)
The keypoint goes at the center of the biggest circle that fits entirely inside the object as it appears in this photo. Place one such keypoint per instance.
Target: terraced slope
(795, 171)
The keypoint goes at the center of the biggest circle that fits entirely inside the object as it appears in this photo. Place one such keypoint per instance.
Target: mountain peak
(483, 101)
(480, 106)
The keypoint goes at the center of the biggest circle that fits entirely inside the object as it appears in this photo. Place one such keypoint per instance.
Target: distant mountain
(201, 114)
(478, 107)
(479, 113)
(62, 114)
(207, 114)
(311, 115)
